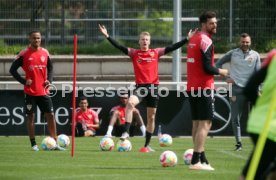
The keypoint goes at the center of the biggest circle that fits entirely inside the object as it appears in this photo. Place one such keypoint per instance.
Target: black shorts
(202, 104)
(149, 93)
(43, 102)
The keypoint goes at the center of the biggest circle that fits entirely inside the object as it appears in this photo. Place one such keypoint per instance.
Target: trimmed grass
(17, 161)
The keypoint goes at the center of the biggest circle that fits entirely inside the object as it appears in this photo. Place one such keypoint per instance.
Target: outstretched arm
(180, 43)
(112, 41)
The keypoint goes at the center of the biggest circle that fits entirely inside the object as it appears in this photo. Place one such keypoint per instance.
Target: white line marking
(233, 154)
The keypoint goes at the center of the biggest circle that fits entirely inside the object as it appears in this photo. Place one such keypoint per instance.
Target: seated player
(118, 119)
(87, 120)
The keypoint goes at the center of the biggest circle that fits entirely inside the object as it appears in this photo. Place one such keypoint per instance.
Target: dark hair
(83, 98)
(33, 31)
(244, 35)
(206, 15)
(123, 95)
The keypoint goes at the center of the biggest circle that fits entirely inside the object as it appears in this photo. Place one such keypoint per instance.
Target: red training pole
(74, 95)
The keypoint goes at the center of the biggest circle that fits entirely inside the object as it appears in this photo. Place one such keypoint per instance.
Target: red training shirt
(197, 77)
(35, 68)
(145, 64)
(87, 117)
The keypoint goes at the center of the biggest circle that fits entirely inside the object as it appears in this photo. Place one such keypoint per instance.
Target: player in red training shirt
(200, 86)
(38, 69)
(118, 119)
(87, 119)
(145, 63)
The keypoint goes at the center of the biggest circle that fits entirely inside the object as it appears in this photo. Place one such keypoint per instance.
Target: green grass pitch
(17, 161)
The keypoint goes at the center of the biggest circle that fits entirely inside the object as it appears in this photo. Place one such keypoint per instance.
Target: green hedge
(105, 48)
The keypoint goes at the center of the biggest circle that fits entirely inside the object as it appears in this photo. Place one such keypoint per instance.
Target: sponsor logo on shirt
(30, 58)
(192, 45)
(40, 66)
(191, 60)
(32, 67)
(42, 58)
(148, 59)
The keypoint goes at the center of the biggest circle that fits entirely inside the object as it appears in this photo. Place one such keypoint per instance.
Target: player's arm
(251, 90)
(112, 41)
(180, 43)
(224, 59)
(175, 46)
(258, 63)
(96, 125)
(49, 70)
(117, 45)
(13, 70)
(207, 64)
(138, 116)
(95, 121)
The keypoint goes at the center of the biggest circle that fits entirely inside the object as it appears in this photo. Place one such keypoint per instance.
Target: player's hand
(46, 83)
(230, 81)
(29, 82)
(103, 30)
(223, 72)
(191, 33)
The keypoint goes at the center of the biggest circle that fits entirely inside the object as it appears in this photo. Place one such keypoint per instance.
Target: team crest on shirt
(89, 116)
(29, 107)
(42, 58)
(30, 58)
(151, 54)
(250, 61)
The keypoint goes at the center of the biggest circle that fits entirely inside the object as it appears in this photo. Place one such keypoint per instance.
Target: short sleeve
(205, 43)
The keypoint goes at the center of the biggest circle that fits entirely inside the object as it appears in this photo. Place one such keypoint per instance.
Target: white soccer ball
(124, 146)
(106, 144)
(63, 140)
(168, 159)
(165, 140)
(48, 143)
(187, 156)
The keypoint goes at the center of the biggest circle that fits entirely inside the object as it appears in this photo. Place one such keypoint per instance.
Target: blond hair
(144, 34)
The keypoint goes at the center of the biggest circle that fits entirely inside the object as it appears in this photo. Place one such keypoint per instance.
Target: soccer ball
(63, 140)
(124, 146)
(165, 140)
(48, 143)
(168, 159)
(106, 144)
(187, 156)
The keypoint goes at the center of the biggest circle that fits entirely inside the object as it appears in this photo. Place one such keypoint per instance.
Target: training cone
(144, 150)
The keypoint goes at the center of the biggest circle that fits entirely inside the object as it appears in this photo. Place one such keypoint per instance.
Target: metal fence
(60, 19)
